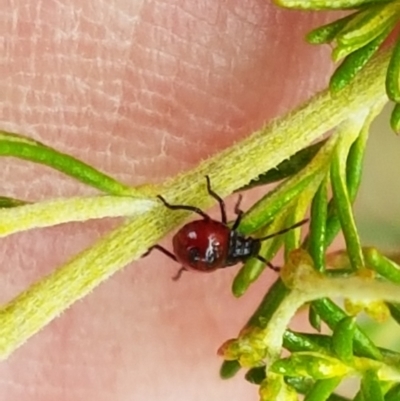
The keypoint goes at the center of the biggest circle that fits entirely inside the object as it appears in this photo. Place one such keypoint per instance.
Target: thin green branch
(287, 194)
(306, 285)
(294, 196)
(6, 202)
(287, 168)
(353, 172)
(58, 211)
(316, 244)
(341, 195)
(32, 310)
(332, 314)
(382, 265)
(15, 145)
(322, 389)
(325, 4)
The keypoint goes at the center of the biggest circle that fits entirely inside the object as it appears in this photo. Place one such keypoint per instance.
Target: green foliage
(342, 339)
(356, 38)
(5, 201)
(317, 363)
(28, 149)
(322, 177)
(287, 168)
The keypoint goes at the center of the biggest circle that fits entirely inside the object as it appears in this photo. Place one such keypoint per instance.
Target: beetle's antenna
(300, 223)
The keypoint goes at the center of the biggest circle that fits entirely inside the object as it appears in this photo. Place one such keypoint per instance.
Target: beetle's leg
(239, 213)
(184, 207)
(218, 199)
(269, 264)
(178, 274)
(165, 251)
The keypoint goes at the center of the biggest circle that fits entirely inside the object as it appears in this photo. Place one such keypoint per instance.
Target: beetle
(206, 245)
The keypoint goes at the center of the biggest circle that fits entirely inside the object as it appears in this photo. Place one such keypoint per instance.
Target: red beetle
(206, 245)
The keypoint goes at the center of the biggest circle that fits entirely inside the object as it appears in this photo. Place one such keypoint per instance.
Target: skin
(141, 90)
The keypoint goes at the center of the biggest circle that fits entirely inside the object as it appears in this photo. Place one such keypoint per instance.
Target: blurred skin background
(141, 90)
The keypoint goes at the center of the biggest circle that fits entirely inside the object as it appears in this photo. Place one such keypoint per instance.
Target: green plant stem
(287, 195)
(370, 386)
(293, 237)
(322, 389)
(342, 339)
(393, 394)
(322, 343)
(333, 314)
(353, 173)
(287, 168)
(303, 386)
(270, 303)
(30, 311)
(307, 285)
(60, 211)
(316, 245)
(6, 202)
(297, 342)
(385, 265)
(229, 369)
(343, 201)
(323, 4)
(28, 149)
(382, 265)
